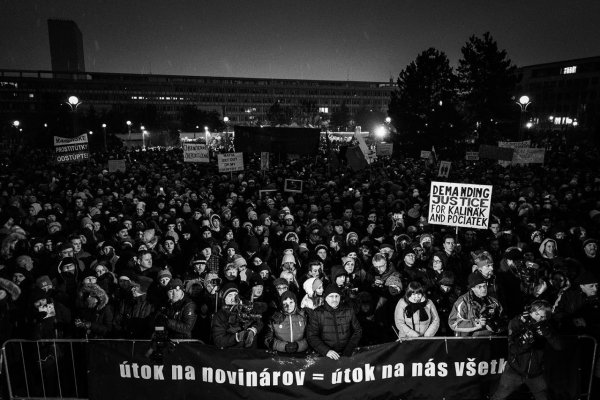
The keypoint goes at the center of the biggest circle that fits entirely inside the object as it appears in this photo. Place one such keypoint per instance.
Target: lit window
(31, 95)
(569, 70)
(324, 110)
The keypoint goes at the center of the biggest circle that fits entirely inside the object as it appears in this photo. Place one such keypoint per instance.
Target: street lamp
(104, 129)
(523, 103)
(74, 102)
(388, 120)
(144, 133)
(129, 129)
(380, 132)
(16, 123)
(206, 134)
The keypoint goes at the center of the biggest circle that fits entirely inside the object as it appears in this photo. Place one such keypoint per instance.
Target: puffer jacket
(412, 326)
(466, 310)
(287, 328)
(181, 318)
(528, 359)
(333, 329)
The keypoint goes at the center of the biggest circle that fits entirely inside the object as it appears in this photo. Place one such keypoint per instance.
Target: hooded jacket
(333, 329)
(284, 328)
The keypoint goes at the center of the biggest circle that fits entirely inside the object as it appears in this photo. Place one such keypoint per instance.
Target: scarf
(412, 308)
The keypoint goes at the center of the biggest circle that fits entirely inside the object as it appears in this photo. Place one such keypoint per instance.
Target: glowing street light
(523, 103)
(16, 123)
(144, 133)
(381, 131)
(73, 102)
(104, 129)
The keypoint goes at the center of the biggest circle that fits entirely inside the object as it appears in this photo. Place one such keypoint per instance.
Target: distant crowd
(235, 261)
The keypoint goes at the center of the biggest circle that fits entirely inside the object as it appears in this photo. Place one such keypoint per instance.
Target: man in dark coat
(333, 329)
(179, 316)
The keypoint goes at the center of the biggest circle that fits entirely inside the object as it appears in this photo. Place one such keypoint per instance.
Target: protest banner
(71, 149)
(385, 149)
(495, 152)
(472, 156)
(116, 165)
(529, 155)
(264, 161)
(424, 368)
(460, 204)
(195, 153)
(512, 145)
(425, 154)
(444, 170)
(293, 186)
(230, 162)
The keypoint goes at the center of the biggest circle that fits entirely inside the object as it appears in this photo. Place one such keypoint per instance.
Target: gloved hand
(241, 336)
(291, 347)
(249, 337)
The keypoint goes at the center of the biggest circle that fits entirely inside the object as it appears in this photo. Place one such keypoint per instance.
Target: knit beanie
(43, 282)
(475, 279)
(239, 261)
(331, 289)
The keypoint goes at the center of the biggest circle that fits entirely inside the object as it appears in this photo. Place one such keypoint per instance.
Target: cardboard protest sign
(444, 170)
(293, 186)
(425, 154)
(472, 156)
(460, 204)
(116, 165)
(385, 149)
(230, 162)
(195, 153)
(529, 156)
(71, 149)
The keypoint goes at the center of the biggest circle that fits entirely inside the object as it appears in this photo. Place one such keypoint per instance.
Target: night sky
(308, 39)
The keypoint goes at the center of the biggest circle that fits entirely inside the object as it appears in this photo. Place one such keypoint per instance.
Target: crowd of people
(235, 261)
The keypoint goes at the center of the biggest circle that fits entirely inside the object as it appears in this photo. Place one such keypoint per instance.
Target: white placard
(195, 153)
(230, 162)
(460, 204)
(444, 170)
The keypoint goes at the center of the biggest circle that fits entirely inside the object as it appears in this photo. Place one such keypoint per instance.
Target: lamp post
(104, 129)
(74, 102)
(144, 133)
(523, 103)
(128, 136)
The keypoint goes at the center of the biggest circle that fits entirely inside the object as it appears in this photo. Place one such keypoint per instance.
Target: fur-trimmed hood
(10, 288)
(95, 291)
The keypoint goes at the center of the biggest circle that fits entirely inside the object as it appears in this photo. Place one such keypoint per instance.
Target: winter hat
(317, 283)
(302, 248)
(239, 261)
(229, 288)
(331, 289)
(164, 273)
(288, 295)
(351, 235)
(43, 282)
(174, 284)
(308, 286)
(589, 241)
(426, 237)
(513, 254)
(143, 282)
(346, 260)
(37, 294)
(264, 267)
(447, 278)
(255, 280)
(280, 281)
(337, 270)
(232, 245)
(54, 224)
(393, 281)
(586, 278)
(378, 232)
(475, 279)
(10, 288)
(409, 250)
(288, 237)
(288, 258)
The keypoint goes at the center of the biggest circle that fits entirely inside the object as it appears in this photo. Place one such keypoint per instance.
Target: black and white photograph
(284, 200)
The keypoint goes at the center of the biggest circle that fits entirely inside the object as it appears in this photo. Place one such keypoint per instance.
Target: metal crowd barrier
(57, 369)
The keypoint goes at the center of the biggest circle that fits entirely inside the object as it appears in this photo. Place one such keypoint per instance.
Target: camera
(531, 331)
(527, 272)
(160, 344)
(492, 317)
